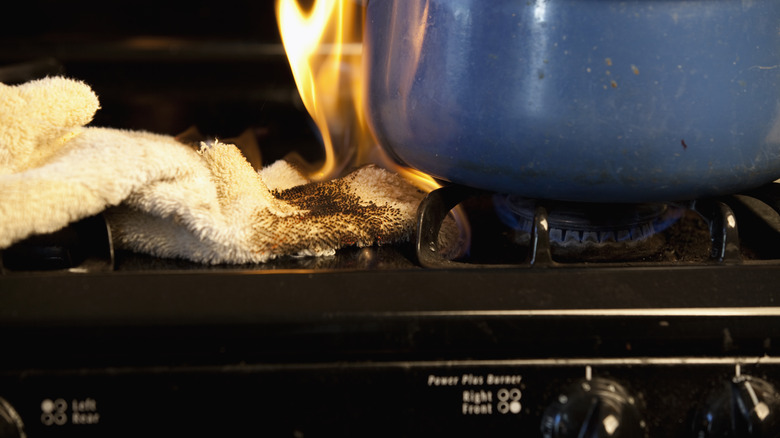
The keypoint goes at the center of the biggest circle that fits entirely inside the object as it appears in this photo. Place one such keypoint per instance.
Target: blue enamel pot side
(579, 100)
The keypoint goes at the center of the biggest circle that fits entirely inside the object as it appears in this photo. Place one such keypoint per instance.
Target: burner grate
(548, 244)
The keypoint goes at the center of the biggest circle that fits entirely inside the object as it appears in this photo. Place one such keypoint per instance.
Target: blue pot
(579, 100)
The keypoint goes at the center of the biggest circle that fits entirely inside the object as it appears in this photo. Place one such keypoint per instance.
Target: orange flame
(324, 47)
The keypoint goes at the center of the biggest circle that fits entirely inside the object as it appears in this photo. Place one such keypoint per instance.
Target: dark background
(165, 67)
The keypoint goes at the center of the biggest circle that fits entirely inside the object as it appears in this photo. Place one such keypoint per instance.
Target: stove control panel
(640, 397)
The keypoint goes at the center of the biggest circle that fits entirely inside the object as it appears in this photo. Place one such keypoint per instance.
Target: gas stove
(402, 341)
(560, 319)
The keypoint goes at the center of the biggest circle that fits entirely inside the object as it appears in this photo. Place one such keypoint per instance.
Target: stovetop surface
(239, 314)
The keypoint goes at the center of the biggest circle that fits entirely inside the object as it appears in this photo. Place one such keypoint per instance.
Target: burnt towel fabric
(166, 199)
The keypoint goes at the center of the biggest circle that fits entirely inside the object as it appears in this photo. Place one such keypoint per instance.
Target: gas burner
(597, 232)
(576, 224)
(543, 232)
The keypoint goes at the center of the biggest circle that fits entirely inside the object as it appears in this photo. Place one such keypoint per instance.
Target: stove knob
(593, 408)
(744, 406)
(10, 423)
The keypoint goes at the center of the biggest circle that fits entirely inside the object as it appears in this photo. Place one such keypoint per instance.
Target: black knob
(10, 423)
(744, 406)
(593, 408)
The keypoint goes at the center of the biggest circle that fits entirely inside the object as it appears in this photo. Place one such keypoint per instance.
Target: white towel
(166, 199)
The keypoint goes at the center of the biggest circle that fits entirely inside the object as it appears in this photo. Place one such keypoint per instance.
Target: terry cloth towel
(164, 198)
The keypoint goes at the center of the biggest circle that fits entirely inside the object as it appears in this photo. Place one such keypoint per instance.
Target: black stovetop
(400, 302)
